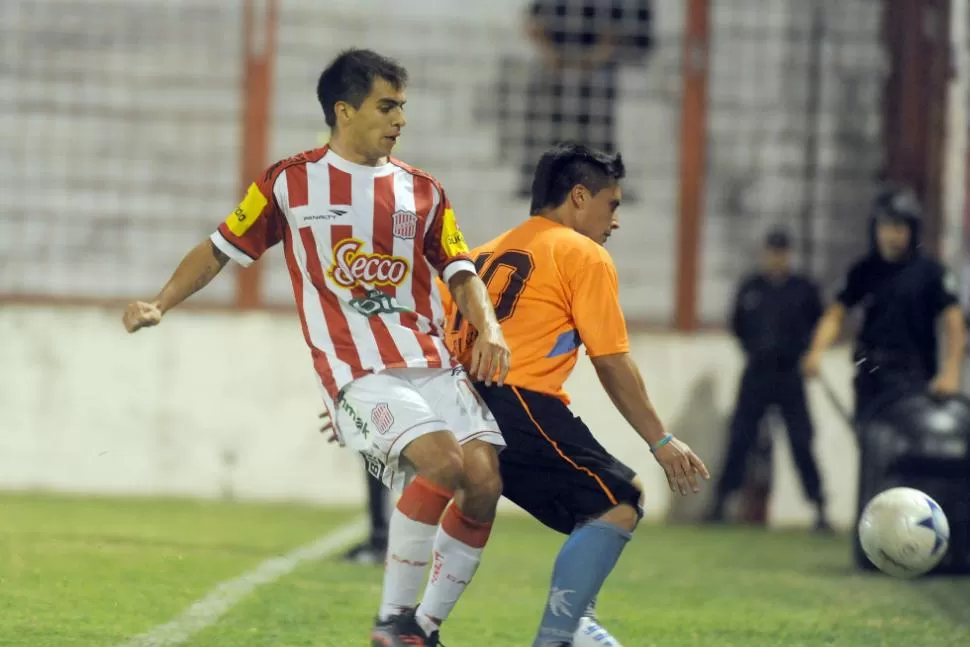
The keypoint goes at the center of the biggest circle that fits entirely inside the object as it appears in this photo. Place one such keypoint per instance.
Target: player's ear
(344, 112)
(579, 195)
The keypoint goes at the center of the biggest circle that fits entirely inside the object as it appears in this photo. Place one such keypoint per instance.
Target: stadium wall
(225, 405)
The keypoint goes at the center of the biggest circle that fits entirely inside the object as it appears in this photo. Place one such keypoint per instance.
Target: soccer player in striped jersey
(364, 236)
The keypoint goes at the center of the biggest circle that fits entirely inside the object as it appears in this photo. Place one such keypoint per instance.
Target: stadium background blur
(129, 128)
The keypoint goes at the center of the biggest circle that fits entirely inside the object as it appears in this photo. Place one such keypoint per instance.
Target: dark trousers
(759, 390)
(876, 387)
(378, 509)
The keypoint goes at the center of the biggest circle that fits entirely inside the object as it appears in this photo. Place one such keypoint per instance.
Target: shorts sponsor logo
(382, 418)
(405, 224)
(360, 425)
(352, 267)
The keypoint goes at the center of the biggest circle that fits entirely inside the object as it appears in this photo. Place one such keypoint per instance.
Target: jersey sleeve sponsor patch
(452, 241)
(248, 211)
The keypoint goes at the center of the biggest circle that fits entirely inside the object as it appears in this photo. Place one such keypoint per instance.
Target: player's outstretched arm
(195, 271)
(622, 381)
(490, 359)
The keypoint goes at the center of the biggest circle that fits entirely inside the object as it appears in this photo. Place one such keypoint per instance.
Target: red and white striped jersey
(361, 244)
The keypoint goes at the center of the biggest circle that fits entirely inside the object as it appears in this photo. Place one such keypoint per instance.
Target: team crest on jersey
(353, 267)
(382, 418)
(405, 224)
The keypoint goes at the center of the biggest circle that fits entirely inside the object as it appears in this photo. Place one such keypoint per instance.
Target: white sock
(408, 554)
(454, 563)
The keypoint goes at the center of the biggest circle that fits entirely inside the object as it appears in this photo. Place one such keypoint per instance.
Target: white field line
(207, 610)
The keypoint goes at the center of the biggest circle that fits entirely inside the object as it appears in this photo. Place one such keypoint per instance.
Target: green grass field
(94, 572)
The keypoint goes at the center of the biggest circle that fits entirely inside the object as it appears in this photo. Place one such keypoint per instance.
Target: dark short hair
(567, 164)
(351, 76)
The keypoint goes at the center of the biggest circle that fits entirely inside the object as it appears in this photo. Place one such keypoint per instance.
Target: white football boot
(592, 634)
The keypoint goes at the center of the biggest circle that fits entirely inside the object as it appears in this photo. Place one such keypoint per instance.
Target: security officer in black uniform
(903, 295)
(775, 313)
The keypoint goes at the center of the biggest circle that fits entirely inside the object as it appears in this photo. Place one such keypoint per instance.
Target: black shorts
(552, 467)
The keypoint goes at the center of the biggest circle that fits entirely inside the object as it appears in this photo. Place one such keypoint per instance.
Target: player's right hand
(141, 314)
(491, 357)
(682, 467)
(326, 427)
(811, 364)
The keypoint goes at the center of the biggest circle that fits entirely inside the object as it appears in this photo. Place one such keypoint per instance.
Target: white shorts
(379, 415)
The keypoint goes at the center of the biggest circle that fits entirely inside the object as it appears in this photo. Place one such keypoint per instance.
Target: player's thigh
(552, 466)
(454, 399)
(389, 422)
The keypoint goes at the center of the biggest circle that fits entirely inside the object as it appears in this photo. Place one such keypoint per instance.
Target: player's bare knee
(484, 486)
(624, 515)
(444, 471)
(478, 498)
(481, 485)
(438, 458)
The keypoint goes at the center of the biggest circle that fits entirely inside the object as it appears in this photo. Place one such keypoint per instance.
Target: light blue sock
(583, 564)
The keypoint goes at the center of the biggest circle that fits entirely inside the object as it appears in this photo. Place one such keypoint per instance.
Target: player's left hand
(945, 384)
(326, 426)
(681, 466)
(491, 357)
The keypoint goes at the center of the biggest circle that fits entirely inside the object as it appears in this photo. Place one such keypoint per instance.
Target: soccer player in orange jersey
(554, 288)
(363, 235)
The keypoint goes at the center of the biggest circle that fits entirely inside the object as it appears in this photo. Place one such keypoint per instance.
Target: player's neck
(342, 148)
(553, 216)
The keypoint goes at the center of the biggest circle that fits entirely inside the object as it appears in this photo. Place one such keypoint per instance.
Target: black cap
(777, 238)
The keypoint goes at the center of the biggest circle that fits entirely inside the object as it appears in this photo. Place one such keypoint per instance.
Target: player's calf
(436, 458)
(583, 564)
(464, 531)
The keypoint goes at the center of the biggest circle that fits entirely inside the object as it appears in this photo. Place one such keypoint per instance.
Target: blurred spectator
(573, 95)
(775, 312)
(904, 294)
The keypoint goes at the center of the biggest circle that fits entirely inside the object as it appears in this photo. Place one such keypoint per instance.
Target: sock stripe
(467, 531)
(555, 446)
(424, 501)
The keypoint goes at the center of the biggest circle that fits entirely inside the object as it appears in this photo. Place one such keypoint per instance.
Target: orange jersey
(553, 290)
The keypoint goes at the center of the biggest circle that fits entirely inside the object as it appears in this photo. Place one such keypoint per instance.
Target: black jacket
(774, 321)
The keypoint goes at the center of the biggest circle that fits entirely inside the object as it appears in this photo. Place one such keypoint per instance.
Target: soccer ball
(904, 532)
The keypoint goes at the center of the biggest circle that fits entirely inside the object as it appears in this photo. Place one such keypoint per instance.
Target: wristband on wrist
(663, 441)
